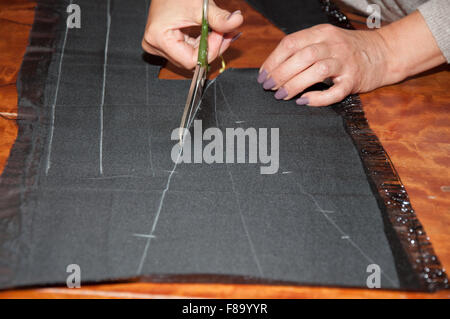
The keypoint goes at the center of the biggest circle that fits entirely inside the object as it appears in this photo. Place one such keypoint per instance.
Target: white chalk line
(144, 235)
(236, 194)
(150, 155)
(155, 222)
(228, 106)
(344, 235)
(105, 62)
(53, 107)
(161, 203)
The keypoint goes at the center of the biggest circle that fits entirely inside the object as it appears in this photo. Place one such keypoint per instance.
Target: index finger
(288, 46)
(178, 50)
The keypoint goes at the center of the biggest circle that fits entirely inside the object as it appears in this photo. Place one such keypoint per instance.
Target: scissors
(199, 79)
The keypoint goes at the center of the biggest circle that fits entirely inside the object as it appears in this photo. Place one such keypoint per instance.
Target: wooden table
(412, 119)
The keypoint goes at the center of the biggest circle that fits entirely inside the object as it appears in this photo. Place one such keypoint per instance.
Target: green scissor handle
(203, 45)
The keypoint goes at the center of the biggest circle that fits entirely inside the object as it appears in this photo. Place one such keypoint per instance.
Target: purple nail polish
(237, 36)
(302, 101)
(269, 84)
(235, 12)
(262, 77)
(281, 94)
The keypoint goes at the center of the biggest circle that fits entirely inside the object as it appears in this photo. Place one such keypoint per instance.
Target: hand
(164, 37)
(356, 61)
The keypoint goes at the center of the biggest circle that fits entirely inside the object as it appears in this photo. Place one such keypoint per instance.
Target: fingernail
(262, 77)
(302, 101)
(228, 41)
(268, 84)
(235, 12)
(281, 94)
(237, 36)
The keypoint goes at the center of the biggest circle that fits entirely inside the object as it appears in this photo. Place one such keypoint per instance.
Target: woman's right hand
(164, 37)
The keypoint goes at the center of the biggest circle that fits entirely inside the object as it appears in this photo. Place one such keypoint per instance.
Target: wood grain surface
(412, 119)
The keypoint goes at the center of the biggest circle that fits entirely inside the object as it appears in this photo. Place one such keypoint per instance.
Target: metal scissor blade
(193, 100)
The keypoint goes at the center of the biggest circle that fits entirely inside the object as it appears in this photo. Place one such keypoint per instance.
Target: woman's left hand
(356, 61)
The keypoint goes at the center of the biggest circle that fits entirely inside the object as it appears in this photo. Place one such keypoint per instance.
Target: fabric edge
(403, 229)
(20, 172)
(399, 213)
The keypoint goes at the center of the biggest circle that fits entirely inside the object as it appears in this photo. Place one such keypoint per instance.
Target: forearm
(411, 48)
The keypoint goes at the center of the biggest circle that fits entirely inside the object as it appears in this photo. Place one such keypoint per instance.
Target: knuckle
(323, 68)
(188, 65)
(150, 37)
(299, 58)
(340, 93)
(288, 43)
(146, 47)
(326, 28)
(214, 19)
(311, 53)
(218, 17)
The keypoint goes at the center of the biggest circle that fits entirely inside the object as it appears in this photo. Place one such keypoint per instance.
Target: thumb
(223, 21)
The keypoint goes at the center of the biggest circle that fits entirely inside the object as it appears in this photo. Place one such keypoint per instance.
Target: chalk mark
(228, 105)
(150, 155)
(341, 232)
(105, 63)
(236, 196)
(53, 107)
(144, 235)
(319, 208)
(117, 176)
(158, 212)
(161, 203)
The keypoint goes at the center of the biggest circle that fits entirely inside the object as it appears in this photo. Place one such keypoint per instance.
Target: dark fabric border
(418, 266)
(20, 174)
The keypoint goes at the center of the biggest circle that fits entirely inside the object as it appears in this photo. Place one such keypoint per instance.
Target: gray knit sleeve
(437, 16)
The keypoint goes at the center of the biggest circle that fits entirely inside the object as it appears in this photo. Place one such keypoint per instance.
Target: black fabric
(90, 180)
(291, 16)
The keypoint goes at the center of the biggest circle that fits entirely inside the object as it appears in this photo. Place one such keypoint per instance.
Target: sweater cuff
(436, 14)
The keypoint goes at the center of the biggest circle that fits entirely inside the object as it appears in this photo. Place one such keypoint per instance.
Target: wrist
(410, 48)
(395, 67)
